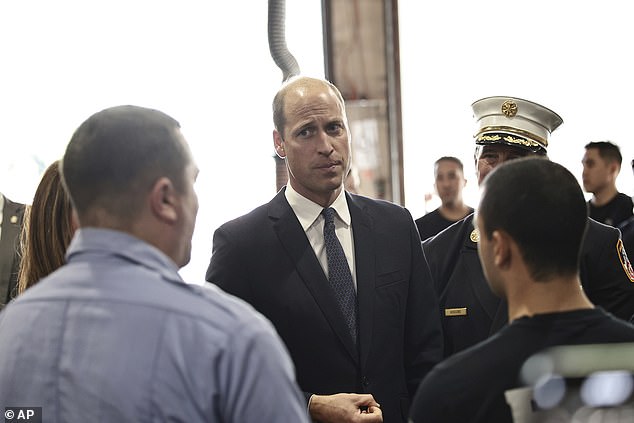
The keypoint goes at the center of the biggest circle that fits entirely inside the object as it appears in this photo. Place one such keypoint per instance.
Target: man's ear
(164, 200)
(279, 144)
(74, 220)
(501, 242)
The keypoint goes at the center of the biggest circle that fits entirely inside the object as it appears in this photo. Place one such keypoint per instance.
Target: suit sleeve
(424, 341)
(606, 273)
(226, 267)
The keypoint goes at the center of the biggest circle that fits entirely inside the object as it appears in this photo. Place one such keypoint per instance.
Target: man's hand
(344, 408)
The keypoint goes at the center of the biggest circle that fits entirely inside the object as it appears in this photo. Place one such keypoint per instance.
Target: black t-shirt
(434, 222)
(469, 386)
(618, 210)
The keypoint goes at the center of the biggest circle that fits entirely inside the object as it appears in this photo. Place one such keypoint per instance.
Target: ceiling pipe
(277, 40)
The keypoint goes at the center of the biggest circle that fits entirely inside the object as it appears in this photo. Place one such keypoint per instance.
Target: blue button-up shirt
(117, 336)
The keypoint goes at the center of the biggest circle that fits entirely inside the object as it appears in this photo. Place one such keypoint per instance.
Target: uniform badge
(509, 108)
(14, 219)
(475, 236)
(625, 262)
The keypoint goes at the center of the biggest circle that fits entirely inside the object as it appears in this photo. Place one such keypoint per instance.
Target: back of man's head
(541, 206)
(115, 156)
(607, 151)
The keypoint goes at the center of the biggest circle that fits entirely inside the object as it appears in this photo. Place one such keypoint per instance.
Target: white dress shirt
(309, 215)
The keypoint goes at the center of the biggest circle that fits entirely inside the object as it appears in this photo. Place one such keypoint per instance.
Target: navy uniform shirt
(615, 212)
(432, 223)
(470, 312)
(11, 217)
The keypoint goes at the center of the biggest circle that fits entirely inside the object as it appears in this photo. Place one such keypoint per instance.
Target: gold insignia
(511, 140)
(526, 135)
(489, 138)
(509, 108)
(461, 311)
(475, 235)
(521, 141)
(625, 262)
(14, 219)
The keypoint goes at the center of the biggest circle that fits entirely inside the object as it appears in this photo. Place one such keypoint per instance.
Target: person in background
(116, 334)
(449, 183)
(529, 249)
(11, 221)
(511, 128)
(601, 166)
(342, 277)
(47, 231)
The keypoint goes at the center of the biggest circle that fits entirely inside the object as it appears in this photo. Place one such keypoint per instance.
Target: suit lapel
(294, 241)
(364, 254)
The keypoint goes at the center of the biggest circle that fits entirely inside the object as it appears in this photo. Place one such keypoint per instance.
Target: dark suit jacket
(12, 216)
(470, 312)
(265, 258)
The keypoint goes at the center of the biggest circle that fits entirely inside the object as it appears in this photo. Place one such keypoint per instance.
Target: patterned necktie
(339, 273)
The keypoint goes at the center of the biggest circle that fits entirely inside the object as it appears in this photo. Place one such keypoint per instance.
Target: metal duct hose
(277, 40)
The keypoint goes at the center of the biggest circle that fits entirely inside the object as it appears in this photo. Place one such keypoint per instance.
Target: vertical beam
(326, 24)
(395, 127)
(364, 64)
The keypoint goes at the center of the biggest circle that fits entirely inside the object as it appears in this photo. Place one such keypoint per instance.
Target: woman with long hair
(47, 231)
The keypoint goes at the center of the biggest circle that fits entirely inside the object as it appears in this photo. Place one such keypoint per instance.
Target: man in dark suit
(10, 226)
(511, 128)
(376, 343)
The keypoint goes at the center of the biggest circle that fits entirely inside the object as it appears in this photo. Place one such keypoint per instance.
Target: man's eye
(306, 132)
(335, 128)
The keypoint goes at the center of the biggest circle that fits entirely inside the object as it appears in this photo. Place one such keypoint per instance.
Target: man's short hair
(117, 154)
(541, 206)
(608, 151)
(450, 159)
(279, 114)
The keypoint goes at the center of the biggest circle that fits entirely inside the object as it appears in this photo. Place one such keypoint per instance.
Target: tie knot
(329, 215)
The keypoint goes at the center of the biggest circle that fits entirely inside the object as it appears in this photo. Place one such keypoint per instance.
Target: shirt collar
(308, 211)
(100, 241)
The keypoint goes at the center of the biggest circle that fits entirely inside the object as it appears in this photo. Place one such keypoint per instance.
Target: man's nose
(325, 143)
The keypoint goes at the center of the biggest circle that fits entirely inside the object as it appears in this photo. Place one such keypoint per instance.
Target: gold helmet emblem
(509, 108)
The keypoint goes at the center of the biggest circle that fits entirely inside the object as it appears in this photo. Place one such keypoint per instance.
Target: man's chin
(184, 261)
(334, 183)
